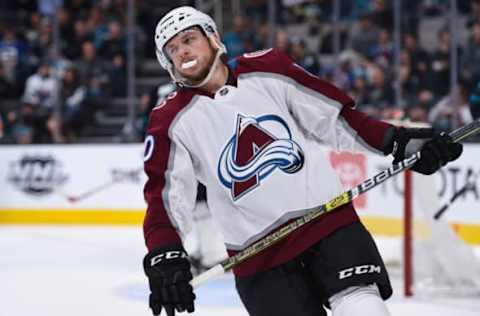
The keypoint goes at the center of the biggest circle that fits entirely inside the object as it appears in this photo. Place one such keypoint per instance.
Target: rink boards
(102, 184)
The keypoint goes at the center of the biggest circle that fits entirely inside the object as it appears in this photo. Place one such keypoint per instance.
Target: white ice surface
(81, 270)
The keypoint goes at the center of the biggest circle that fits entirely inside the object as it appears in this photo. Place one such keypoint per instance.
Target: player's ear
(215, 40)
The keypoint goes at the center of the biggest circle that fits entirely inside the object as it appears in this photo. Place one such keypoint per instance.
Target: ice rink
(82, 270)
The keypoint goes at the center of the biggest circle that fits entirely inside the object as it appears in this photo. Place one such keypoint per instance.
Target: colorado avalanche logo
(254, 152)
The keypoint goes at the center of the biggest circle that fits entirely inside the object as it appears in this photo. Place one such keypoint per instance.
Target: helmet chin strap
(184, 82)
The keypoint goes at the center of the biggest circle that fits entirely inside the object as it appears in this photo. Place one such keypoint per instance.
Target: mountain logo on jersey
(259, 147)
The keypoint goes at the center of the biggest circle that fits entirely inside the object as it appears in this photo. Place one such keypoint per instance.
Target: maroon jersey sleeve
(170, 187)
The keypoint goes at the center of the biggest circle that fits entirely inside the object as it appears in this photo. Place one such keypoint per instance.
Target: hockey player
(250, 131)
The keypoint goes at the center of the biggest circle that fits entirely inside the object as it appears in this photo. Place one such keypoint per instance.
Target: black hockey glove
(398, 138)
(435, 153)
(168, 272)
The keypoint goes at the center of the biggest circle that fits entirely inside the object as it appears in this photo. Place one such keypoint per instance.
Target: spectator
(416, 103)
(12, 53)
(91, 72)
(359, 92)
(42, 43)
(145, 20)
(239, 40)
(92, 36)
(434, 8)
(32, 31)
(147, 102)
(73, 50)
(471, 59)
(425, 100)
(261, 37)
(326, 44)
(419, 61)
(417, 114)
(2, 128)
(440, 65)
(360, 8)
(405, 75)
(6, 88)
(303, 11)
(73, 98)
(363, 35)
(304, 57)
(21, 133)
(39, 104)
(12, 45)
(380, 93)
(282, 42)
(114, 42)
(451, 111)
(144, 108)
(96, 25)
(41, 88)
(349, 64)
(117, 77)
(382, 15)
(463, 107)
(65, 23)
(382, 51)
(411, 19)
(79, 7)
(475, 13)
(112, 10)
(256, 10)
(474, 101)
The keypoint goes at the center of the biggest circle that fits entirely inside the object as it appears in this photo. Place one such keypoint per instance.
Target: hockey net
(436, 261)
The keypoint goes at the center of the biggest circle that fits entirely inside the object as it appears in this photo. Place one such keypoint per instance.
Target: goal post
(436, 261)
(407, 235)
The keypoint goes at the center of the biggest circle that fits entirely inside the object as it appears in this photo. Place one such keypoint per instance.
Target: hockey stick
(468, 186)
(315, 212)
(97, 189)
(90, 192)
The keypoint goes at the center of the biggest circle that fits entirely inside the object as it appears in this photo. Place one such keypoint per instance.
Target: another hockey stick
(315, 212)
(468, 186)
(90, 192)
(99, 188)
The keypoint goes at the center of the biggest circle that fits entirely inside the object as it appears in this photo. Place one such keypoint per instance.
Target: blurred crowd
(51, 83)
(365, 65)
(55, 80)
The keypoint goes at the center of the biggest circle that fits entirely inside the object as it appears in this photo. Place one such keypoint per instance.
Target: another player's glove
(434, 154)
(168, 272)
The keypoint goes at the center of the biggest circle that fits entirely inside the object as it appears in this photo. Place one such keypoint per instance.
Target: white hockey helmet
(176, 21)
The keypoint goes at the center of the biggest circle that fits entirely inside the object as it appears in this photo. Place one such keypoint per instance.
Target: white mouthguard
(189, 64)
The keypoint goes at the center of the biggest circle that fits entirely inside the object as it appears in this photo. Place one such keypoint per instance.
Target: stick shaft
(98, 188)
(468, 186)
(444, 208)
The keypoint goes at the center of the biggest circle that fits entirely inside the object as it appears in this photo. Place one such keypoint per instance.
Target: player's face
(191, 54)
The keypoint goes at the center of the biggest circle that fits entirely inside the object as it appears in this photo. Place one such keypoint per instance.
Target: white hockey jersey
(255, 145)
